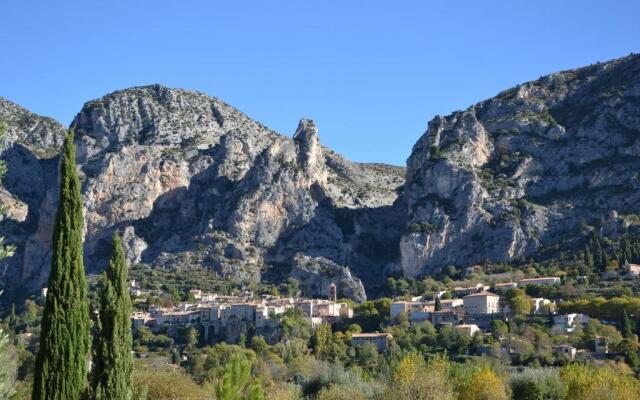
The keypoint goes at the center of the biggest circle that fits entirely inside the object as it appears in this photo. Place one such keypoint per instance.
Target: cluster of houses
(468, 306)
(212, 313)
(471, 309)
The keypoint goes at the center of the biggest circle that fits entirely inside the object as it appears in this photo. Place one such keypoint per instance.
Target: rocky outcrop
(522, 172)
(316, 274)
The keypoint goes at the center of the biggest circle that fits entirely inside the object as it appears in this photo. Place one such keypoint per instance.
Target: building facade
(481, 304)
(381, 340)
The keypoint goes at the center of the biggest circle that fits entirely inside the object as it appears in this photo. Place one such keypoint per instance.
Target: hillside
(514, 176)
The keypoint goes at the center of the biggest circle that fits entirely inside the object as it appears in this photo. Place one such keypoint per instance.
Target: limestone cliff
(520, 173)
(189, 180)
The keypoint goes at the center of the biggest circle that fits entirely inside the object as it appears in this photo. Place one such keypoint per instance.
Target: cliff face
(30, 151)
(191, 181)
(523, 171)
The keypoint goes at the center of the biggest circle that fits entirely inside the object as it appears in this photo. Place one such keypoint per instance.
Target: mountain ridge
(192, 181)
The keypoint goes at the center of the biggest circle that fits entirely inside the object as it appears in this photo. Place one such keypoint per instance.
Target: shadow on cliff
(367, 240)
(28, 179)
(30, 188)
(177, 217)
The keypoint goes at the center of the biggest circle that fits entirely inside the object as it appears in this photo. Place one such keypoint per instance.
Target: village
(228, 317)
(470, 310)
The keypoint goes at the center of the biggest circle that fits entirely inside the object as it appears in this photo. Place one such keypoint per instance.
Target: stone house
(548, 280)
(381, 340)
(468, 329)
(565, 349)
(481, 303)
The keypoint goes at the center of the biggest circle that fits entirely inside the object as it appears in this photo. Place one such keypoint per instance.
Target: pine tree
(61, 364)
(113, 363)
(236, 384)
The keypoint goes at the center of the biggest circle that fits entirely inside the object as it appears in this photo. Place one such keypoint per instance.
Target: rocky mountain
(191, 181)
(520, 174)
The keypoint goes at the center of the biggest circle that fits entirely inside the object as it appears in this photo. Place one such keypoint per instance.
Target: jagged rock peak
(307, 131)
(310, 155)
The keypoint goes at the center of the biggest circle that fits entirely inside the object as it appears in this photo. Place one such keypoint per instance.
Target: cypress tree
(635, 255)
(588, 261)
(627, 252)
(61, 364)
(625, 325)
(13, 319)
(629, 345)
(113, 362)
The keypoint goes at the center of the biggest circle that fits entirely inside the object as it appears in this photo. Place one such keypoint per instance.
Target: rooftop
(483, 294)
(370, 335)
(539, 279)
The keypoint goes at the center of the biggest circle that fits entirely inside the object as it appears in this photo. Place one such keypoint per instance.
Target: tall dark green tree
(113, 362)
(629, 345)
(438, 304)
(61, 364)
(625, 325)
(588, 261)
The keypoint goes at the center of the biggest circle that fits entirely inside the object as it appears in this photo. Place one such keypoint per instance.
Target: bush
(414, 379)
(537, 384)
(150, 384)
(324, 375)
(592, 383)
(341, 392)
(482, 384)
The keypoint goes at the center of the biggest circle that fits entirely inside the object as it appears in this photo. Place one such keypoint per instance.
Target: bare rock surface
(517, 174)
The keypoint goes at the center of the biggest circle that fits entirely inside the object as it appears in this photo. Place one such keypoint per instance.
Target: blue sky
(370, 73)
